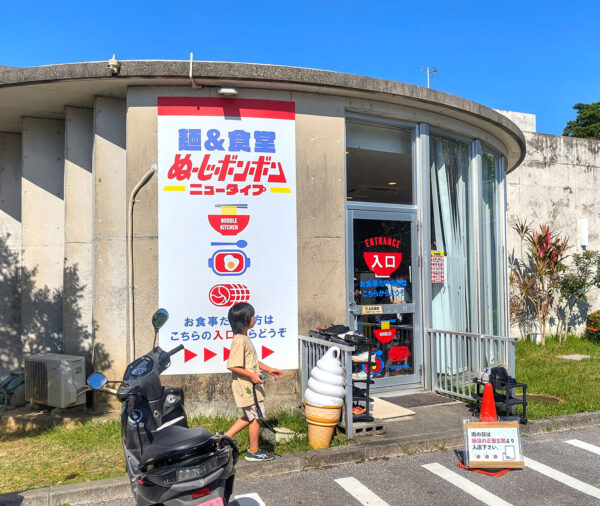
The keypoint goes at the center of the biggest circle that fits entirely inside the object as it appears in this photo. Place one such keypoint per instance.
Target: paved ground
(405, 480)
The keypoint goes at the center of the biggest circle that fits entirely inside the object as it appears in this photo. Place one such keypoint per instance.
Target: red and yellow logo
(229, 222)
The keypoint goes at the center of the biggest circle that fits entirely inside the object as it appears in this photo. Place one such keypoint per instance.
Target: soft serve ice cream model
(324, 398)
(326, 383)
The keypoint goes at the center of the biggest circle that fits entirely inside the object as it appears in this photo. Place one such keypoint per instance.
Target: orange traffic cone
(488, 406)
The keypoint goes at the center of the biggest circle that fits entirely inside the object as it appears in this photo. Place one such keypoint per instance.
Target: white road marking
(247, 500)
(469, 487)
(585, 446)
(563, 478)
(361, 493)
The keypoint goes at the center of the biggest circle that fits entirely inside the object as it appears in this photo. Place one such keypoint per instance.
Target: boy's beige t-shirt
(243, 354)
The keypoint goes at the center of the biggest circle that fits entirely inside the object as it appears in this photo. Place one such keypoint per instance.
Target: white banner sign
(227, 228)
(493, 445)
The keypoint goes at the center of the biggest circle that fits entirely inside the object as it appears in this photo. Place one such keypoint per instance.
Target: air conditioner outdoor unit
(54, 380)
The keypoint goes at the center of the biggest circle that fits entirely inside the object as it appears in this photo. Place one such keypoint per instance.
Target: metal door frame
(389, 212)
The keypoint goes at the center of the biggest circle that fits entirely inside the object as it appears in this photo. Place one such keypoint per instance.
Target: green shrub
(592, 331)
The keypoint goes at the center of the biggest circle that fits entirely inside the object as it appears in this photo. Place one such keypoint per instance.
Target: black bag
(500, 375)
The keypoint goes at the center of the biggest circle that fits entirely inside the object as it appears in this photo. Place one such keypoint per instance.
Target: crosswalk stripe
(361, 493)
(248, 500)
(585, 446)
(468, 486)
(563, 478)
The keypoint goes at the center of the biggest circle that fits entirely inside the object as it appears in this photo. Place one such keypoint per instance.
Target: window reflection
(491, 252)
(378, 164)
(453, 301)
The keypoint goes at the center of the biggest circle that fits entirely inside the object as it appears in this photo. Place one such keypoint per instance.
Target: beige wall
(557, 184)
(110, 262)
(78, 300)
(42, 235)
(321, 204)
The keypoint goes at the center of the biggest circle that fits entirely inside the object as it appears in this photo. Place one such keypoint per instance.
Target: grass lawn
(576, 383)
(92, 451)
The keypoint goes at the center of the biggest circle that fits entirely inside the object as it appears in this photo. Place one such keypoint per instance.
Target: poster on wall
(227, 228)
(437, 266)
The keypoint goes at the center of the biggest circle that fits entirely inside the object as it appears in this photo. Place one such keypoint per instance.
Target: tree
(574, 284)
(587, 123)
(536, 275)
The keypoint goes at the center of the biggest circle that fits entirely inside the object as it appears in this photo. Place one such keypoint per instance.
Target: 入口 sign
(227, 227)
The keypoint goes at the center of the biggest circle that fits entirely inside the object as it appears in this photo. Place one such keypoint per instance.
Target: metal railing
(311, 350)
(457, 357)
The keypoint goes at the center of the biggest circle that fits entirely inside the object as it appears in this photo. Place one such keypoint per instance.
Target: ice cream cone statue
(324, 399)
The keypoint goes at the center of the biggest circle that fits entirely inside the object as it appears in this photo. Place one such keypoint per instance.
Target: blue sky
(530, 56)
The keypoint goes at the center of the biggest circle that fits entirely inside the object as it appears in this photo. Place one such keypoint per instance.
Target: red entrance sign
(382, 264)
(385, 335)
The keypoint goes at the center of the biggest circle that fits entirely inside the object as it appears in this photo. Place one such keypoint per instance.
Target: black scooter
(167, 462)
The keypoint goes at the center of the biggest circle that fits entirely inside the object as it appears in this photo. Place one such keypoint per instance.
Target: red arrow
(188, 355)
(225, 353)
(208, 354)
(266, 352)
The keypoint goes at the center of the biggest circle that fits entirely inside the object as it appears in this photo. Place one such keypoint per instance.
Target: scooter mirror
(159, 318)
(96, 380)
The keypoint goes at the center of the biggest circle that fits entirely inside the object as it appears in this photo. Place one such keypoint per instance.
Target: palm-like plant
(536, 275)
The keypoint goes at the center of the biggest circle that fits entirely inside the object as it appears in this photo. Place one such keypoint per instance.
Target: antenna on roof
(430, 70)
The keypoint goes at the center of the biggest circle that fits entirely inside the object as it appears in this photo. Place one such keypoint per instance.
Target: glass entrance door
(384, 291)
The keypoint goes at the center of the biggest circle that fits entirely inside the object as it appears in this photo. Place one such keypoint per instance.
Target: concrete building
(557, 184)
(385, 172)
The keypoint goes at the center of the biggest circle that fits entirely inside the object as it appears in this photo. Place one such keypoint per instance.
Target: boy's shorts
(251, 413)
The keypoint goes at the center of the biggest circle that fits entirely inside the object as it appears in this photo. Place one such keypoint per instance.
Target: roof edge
(11, 76)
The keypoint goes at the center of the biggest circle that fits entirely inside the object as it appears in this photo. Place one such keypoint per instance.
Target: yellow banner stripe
(174, 188)
(281, 190)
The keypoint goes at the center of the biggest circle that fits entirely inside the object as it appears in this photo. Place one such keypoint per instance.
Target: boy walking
(247, 382)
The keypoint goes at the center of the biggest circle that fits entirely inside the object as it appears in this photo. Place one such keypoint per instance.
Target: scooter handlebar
(175, 350)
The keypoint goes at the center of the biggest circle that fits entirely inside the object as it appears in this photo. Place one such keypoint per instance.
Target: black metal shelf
(364, 394)
(507, 400)
(366, 381)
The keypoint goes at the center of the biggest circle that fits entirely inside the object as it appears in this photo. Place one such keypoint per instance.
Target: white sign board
(227, 228)
(493, 445)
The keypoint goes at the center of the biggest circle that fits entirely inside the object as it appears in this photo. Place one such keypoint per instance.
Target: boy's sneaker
(358, 410)
(258, 456)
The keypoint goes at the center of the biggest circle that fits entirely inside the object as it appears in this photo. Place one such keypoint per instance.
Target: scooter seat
(172, 440)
